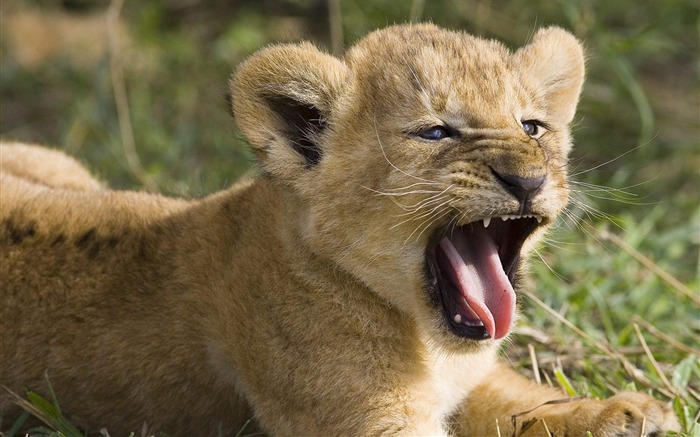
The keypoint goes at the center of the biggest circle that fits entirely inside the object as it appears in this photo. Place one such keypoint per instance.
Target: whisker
(422, 215)
(407, 193)
(426, 224)
(414, 217)
(379, 141)
(422, 205)
(554, 272)
(603, 187)
(613, 159)
(415, 184)
(594, 213)
(618, 199)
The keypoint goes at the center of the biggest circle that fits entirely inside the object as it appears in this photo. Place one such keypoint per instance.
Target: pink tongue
(477, 272)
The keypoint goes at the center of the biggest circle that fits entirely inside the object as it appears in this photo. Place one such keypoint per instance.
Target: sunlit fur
(299, 299)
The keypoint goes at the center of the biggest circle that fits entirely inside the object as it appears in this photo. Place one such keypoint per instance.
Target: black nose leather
(522, 188)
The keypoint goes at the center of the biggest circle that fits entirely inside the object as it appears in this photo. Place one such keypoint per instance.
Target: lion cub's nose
(522, 188)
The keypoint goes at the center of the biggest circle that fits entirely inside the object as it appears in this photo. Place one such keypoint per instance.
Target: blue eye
(434, 133)
(534, 128)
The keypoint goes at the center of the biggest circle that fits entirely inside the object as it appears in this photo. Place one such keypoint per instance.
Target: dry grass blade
(120, 99)
(571, 326)
(665, 337)
(630, 368)
(651, 265)
(536, 426)
(654, 363)
(26, 405)
(546, 428)
(47, 412)
(335, 17)
(535, 365)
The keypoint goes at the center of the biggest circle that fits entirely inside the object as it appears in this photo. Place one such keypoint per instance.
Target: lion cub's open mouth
(472, 269)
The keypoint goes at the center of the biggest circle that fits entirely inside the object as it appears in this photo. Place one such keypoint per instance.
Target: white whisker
(421, 215)
(426, 224)
(427, 203)
(611, 160)
(554, 272)
(379, 141)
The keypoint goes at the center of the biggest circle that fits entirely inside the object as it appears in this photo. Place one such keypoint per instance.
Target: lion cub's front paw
(627, 414)
(635, 414)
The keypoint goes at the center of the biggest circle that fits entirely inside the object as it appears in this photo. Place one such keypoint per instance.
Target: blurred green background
(641, 94)
(637, 132)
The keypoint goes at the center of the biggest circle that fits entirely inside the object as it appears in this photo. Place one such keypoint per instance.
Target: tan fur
(300, 298)
(51, 168)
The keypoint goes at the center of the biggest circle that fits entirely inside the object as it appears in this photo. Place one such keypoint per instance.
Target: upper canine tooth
(487, 222)
(539, 218)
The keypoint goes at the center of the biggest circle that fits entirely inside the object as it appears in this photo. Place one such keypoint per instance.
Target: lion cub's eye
(533, 128)
(434, 133)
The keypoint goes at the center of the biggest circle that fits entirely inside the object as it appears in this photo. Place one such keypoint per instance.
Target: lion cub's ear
(283, 98)
(553, 64)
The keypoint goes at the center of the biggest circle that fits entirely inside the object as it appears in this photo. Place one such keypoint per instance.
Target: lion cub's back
(44, 166)
(62, 231)
(48, 197)
(76, 259)
(54, 213)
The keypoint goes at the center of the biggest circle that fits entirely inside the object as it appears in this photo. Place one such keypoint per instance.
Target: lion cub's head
(424, 162)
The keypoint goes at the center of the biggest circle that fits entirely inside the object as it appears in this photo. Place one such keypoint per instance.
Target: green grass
(49, 412)
(637, 136)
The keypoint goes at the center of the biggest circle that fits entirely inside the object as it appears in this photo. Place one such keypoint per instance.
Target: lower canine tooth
(458, 318)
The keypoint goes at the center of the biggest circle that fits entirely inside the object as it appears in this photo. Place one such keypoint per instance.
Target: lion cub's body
(148, 323)
(298, 299)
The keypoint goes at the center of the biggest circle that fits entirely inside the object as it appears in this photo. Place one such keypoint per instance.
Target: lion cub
(360, 286)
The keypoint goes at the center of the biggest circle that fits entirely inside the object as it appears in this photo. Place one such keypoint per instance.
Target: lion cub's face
(425, 163)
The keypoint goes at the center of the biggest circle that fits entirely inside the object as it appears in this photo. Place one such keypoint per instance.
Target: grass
(49, 412)
(614, 302)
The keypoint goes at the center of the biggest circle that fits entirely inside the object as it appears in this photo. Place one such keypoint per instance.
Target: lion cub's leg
(43, 166)
(543, 411)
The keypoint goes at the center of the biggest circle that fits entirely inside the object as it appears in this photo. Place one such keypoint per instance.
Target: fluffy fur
(300, 299)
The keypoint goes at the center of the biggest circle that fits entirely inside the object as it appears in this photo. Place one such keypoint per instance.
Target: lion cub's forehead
(453, 71)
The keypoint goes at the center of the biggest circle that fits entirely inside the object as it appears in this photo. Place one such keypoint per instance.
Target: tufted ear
(282, 99)
(553, 64)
